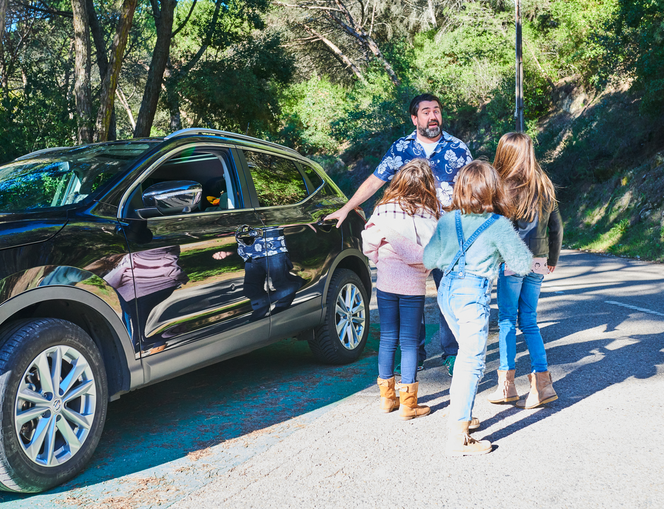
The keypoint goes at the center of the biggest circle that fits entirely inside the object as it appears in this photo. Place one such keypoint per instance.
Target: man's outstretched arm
(366, 191)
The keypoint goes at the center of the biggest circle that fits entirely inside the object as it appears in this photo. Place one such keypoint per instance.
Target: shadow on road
(234, 398)
(594, 351)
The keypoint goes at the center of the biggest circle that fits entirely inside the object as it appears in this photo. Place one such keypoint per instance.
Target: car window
(319, 186)
(276, 179)
(314, 178)
(214, 170)
(59, 177)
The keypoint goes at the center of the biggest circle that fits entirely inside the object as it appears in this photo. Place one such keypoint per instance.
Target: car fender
(96, 308)
(354, 260)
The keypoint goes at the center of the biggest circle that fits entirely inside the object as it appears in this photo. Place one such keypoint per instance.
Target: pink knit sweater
(394, 241)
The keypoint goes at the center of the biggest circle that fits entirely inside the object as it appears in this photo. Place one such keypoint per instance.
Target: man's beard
(430, 132)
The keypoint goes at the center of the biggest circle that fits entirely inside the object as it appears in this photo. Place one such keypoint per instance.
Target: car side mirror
(169, 198)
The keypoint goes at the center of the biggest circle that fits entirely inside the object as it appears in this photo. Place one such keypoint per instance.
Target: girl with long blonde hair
(401, 224)
(535, 214)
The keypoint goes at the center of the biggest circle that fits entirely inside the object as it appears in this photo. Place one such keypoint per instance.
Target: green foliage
(36, 119)
(465, 65)
(639, 33)
(239, 92)
(308, 110)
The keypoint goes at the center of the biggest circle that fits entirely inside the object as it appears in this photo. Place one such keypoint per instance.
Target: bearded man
(446, 155)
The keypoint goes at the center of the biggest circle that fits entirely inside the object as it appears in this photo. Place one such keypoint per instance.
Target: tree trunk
(172, 98)
(172, 77)
(164, 23)
(4, 82)
(432, 13)
(337, 52)
(82, 69)
(352, 28)
(379, 55)
(102, 57)
(125, 105)
(110, 83)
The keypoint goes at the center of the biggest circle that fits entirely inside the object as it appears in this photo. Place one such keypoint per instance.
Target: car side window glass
(213, 170)
(276, 179)
(313, 176)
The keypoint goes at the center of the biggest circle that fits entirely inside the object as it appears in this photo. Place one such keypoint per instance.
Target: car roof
(194, 131)
(182, 133)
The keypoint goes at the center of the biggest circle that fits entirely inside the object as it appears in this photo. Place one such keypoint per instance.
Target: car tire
(342, 336)
(48, 437)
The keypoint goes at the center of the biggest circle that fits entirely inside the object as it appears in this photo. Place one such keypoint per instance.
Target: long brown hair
(527, 186)
(478, 189)
(413, 188)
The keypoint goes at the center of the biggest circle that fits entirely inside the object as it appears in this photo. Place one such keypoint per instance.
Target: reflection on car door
(299, 246)
(188, 273)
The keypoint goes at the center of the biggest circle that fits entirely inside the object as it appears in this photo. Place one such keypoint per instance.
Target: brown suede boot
(541, 391)
(460, 443)
(409, 407)
(388, 398)
(506, 390)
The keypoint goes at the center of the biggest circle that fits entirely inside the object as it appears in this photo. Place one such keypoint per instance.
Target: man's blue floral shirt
(449, 156)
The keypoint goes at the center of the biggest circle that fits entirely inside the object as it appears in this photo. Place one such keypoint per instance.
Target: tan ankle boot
(506, 390)
(541, 391)
(460, 443)
(388, 397)
(409, 407)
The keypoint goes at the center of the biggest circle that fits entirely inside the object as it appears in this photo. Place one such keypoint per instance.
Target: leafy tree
(639, 40)
(239, 92)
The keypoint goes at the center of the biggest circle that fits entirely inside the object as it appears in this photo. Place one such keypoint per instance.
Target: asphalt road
(273, 429)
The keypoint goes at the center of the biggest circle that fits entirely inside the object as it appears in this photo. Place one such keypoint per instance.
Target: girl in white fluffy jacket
(402, 223)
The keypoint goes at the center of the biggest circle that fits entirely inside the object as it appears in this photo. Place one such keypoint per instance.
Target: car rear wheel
(53, 400)
(342, 336)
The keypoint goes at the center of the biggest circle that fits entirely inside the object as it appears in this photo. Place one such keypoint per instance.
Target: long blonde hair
(527, 186)
(413, 188)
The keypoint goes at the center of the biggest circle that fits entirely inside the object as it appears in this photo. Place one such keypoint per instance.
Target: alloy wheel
(55, 405)
(350, 316)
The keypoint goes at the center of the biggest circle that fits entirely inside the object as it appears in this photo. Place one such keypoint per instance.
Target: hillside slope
(608, 160)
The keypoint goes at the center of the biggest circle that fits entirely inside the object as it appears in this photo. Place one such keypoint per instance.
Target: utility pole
(518, 112)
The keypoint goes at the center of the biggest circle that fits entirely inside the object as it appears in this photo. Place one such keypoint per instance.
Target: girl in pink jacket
(402, 224)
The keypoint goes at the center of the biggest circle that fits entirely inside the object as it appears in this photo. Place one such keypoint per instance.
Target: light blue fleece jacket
(498, 243)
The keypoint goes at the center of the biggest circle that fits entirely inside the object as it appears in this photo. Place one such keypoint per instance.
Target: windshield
(63, 176)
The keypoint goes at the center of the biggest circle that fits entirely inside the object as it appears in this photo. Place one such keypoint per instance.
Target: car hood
(20, 231)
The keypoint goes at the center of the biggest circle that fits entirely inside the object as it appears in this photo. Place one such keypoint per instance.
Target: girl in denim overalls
(469, 245)
(538, 220)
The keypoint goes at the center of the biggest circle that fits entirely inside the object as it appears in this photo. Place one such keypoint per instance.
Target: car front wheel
(342, 336)
(53, 400)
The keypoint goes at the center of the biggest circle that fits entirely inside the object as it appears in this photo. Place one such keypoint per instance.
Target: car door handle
(326, 226)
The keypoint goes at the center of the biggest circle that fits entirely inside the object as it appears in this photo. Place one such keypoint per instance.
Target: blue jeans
(517, 300)
(465, 302)
(448, 342)
(400, 320)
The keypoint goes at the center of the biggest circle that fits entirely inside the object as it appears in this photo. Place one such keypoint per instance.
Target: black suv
(127, 263)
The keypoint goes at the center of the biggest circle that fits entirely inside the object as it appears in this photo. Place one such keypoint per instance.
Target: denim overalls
(465, 299)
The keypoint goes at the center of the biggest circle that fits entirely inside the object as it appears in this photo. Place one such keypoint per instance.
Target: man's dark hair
(415, 103)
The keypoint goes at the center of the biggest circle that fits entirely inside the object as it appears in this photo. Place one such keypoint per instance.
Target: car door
(189, 276)
(299, 245)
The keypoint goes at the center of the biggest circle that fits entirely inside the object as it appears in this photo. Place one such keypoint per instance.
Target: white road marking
(636, 308)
